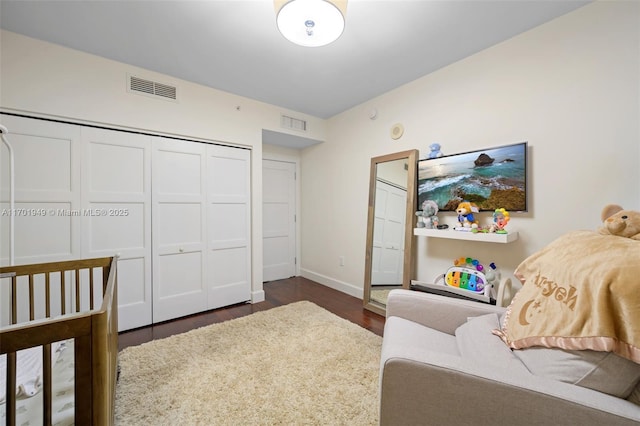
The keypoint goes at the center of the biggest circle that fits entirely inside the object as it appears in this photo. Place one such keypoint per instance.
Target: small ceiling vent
(287, 122)
(152, 88)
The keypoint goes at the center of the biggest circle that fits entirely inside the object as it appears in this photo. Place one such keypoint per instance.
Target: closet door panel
(228, 219)
(116, 201)
(179, 228)
(47, 191)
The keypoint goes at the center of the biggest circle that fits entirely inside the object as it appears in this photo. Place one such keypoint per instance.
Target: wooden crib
(58, 301)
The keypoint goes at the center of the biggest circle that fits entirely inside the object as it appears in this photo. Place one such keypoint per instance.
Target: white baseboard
(342, 286)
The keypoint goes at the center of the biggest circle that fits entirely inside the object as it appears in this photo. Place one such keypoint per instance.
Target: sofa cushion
(414, 338)
(602, 371)
(635, 395)
(478, 346)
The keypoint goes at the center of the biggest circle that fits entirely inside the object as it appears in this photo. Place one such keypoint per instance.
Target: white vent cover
(152, 88)
(287, 122)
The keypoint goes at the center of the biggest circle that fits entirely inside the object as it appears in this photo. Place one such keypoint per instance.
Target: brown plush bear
(620, 222)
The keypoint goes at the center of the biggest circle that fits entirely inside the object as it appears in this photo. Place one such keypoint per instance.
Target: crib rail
(94, 332)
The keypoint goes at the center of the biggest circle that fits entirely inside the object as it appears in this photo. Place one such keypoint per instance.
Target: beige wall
(42, 79)
(569, 87)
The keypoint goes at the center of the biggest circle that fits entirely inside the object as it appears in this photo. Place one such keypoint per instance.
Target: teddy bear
(465, 211)
(427, 217)
(618, 221)
(435, 150)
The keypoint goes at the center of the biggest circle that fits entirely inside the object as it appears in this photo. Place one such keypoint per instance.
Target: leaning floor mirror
(389, 260)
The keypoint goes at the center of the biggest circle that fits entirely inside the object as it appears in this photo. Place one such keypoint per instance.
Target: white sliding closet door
(179, 228)
(116, 202)
(47, 191)
(177, 213)
(47, 206)
(228, 222)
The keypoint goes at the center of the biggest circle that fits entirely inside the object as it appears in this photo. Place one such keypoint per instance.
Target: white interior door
(388, 234)
(179, 228)
(228, 268)
(278, 219)
(116, 202)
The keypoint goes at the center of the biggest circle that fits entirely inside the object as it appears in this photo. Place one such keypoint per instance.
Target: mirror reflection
(390, 227)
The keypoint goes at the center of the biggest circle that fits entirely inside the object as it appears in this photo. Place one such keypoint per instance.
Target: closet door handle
(181, 250)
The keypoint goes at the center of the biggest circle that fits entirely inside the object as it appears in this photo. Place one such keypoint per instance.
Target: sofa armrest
(440, 313)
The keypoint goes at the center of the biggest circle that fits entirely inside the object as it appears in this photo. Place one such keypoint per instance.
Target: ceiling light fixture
(311, 23)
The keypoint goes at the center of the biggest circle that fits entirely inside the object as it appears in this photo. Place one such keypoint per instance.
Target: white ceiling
(234, 45)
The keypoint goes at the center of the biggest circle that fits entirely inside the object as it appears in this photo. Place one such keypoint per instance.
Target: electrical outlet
(341, 258)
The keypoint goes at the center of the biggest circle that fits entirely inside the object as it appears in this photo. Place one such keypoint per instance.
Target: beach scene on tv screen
(491, 178)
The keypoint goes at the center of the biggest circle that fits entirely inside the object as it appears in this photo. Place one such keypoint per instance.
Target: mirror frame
(409, 259)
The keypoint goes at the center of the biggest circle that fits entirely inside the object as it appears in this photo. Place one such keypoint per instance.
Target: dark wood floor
(277, 293)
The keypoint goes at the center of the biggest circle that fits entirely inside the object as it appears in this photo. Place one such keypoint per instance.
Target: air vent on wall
(293, 123)
(152, 88)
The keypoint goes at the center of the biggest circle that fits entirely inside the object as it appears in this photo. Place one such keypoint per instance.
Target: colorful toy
(466, 274)
(427, 217)
(620, 222)
(500, 220)
(465, 211)
(435, 150)
(470, 274)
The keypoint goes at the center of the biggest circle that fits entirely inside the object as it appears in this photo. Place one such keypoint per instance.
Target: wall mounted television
(491, 178)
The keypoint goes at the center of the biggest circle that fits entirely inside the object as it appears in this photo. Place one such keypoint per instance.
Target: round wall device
(396, 131)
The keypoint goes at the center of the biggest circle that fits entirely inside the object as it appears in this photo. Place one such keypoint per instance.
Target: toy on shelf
(500, 220)
(434, 150)
(427, 217)
(466, 218)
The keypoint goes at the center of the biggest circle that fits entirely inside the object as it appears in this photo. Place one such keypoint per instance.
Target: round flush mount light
(310, 23)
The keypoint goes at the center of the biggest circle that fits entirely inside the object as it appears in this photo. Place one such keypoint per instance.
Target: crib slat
(31, 297)
(47, 295)
(105, 279)
(83, 380)
(77, 290)
(10, 407)
(47, 385)
(91, 296)
(63, 292)
(14, 300)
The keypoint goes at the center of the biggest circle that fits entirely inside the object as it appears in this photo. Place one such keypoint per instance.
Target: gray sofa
(440, 368)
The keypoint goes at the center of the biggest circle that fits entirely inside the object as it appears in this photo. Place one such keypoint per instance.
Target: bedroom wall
(42, 79)
(569, 87)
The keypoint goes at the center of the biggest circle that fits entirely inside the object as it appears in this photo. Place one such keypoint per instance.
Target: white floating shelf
(467, 235)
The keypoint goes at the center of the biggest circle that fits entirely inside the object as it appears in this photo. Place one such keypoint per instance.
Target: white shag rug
(296, 364)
